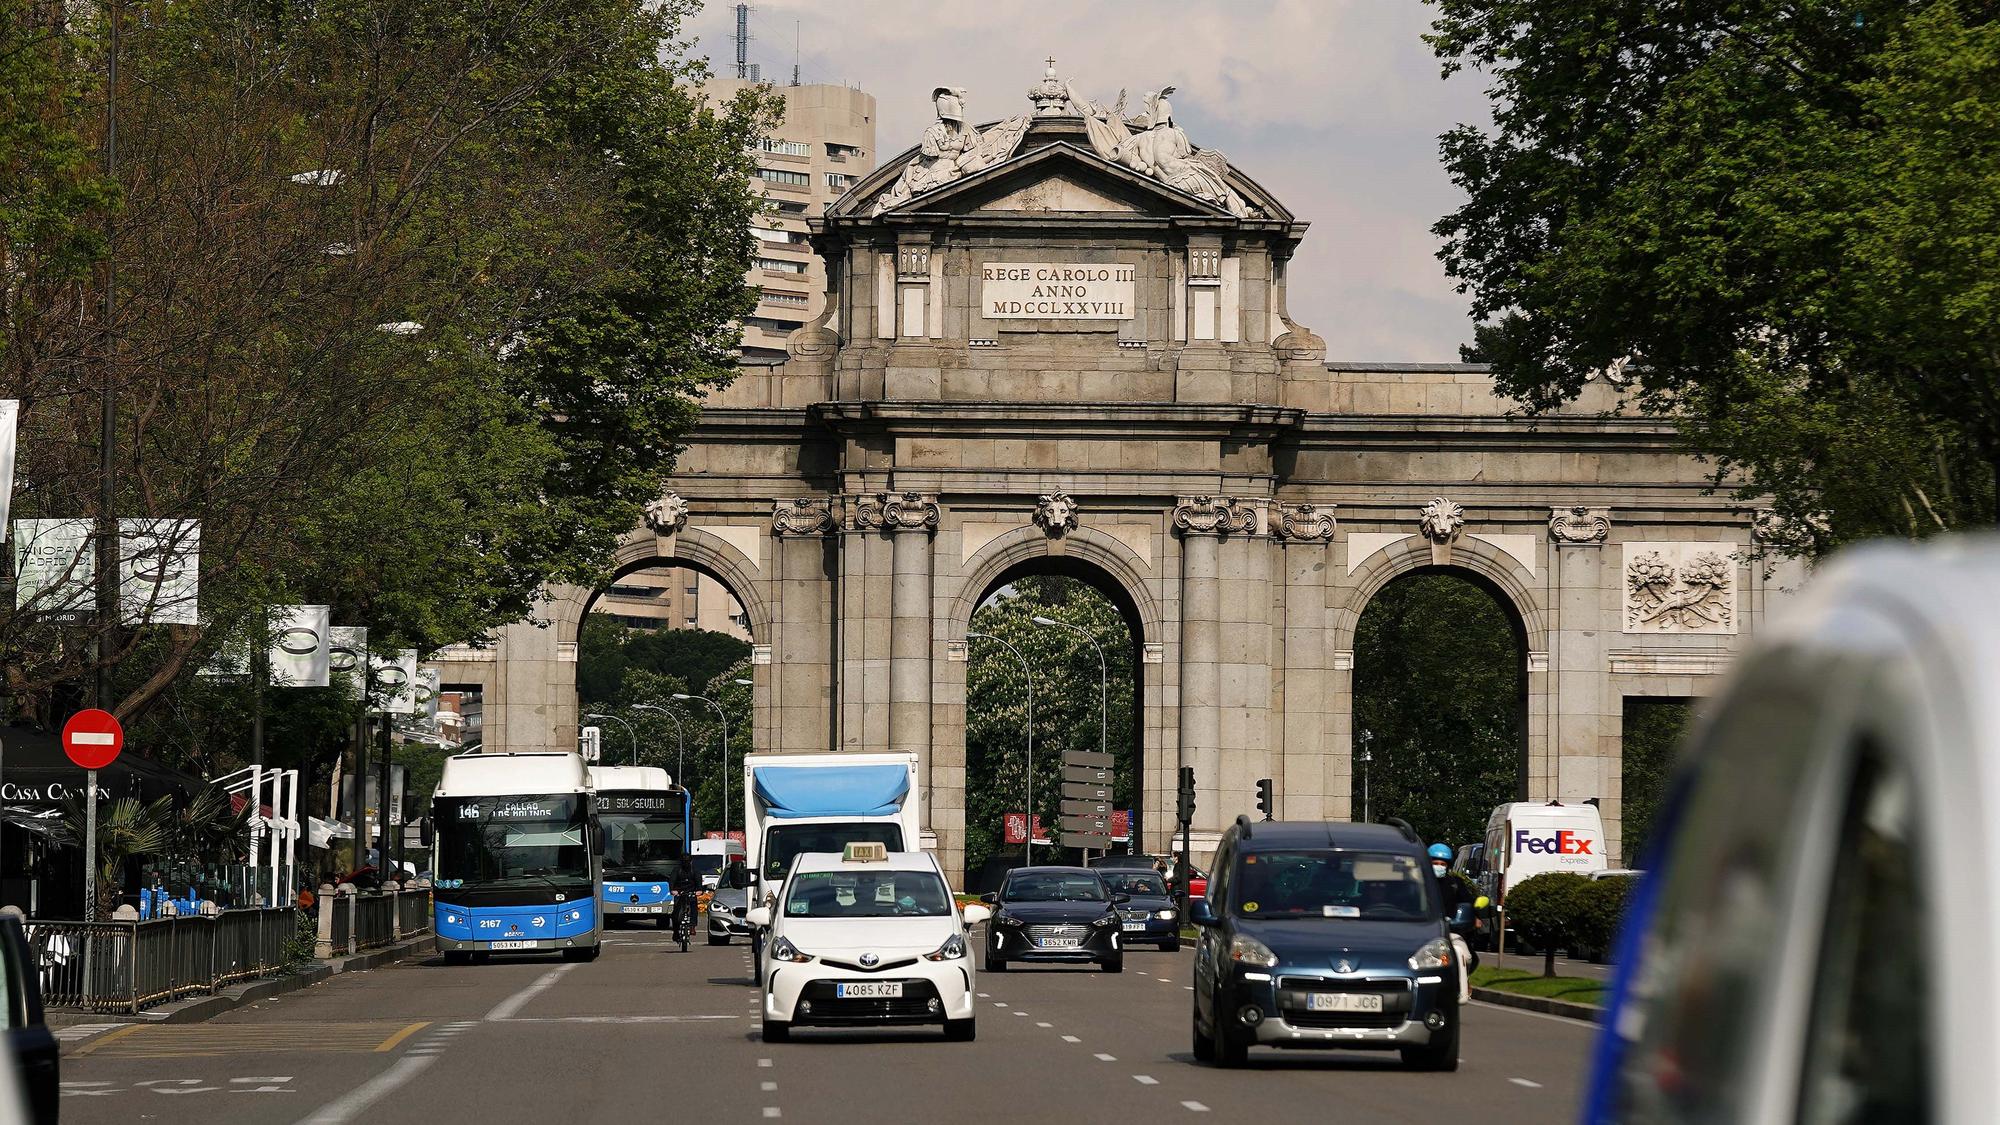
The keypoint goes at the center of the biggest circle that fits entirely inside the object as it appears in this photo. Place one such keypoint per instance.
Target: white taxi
(864, 938)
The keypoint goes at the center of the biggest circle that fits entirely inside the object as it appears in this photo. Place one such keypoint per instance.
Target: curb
(1589, 1013)
(199, 1008)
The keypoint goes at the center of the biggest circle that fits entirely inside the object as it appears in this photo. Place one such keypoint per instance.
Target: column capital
(894, 511)
(1579, 525)
(804, 515)
(1214, 515)
(1303, 523)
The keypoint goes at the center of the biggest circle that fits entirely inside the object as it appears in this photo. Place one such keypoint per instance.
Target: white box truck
(822, 802)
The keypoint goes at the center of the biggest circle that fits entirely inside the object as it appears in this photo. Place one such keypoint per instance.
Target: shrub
(1602, 908)
(1547, 911)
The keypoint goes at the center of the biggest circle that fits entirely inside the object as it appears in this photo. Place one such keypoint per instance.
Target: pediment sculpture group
(1148, 143)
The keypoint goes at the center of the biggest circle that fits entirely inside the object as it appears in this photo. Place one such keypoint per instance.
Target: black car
(29, 1041)
(1061, 914)
(1325, 935)
(1149, 914)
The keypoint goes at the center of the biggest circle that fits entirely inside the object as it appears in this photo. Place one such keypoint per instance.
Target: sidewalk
(73, 1025)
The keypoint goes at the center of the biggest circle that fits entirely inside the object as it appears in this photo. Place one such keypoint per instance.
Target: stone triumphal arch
(1064, 336)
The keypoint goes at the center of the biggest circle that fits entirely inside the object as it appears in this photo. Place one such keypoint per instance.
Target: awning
(45, 823)
(791, 792)
(36, 775)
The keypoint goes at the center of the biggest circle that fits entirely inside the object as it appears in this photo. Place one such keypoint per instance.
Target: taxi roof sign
(865, 851)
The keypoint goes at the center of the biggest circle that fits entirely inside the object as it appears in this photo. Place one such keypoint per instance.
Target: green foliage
(1600, 909)
(1067, 704)
(1787, 214)
(1438, 682)
(607, 651)
(1652, 736)
(1548, 912)
(126, 829)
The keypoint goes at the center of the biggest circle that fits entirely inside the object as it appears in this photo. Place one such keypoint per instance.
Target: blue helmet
(1441, 851)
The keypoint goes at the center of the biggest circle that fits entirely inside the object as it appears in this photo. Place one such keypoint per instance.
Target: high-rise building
(825, 144)
(674, 598)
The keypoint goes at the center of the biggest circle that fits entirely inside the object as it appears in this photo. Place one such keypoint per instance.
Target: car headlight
(1435, 954)
(1250, 951)
(1164, 915)
(1106, 920)
(1005, 919)
(952, 949)
(784, 950)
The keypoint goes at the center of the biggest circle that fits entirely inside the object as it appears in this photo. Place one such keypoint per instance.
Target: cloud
(1334, 105)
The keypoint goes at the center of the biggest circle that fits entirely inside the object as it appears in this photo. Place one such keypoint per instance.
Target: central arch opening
(1079, 703)
(1440, 704)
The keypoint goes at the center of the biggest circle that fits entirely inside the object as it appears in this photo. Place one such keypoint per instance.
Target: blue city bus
(516, 861)
(647, 823)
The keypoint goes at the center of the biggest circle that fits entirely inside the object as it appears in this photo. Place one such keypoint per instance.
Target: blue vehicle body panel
(638, 894)
(792, 792)
(516, 923)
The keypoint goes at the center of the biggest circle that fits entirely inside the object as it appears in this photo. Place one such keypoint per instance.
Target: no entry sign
(93, 738)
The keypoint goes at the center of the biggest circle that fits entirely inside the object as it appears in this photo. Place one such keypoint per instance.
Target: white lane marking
(617, 1019)
(772, 1111)
(1188, 987)
(75, 1032)
(763, 1062)
(356, 1101)
(1195, 1107)
(68, 1085)
(1525, 1082)
(1019, 1012)
(1163, 980)
(1039, 1023)
(505, 1009)
(1107, 1058)
(1145, 1080)
(1071, 1039)
(1535, 1015)
(986, 996)
(767, 1087)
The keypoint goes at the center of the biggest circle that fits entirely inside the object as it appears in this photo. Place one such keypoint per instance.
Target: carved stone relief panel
(1680, 587)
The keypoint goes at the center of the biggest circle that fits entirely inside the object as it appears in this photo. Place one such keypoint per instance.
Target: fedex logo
(1563, 842)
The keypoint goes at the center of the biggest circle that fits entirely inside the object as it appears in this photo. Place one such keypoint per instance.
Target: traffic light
(1266, 804)
(1186, 805)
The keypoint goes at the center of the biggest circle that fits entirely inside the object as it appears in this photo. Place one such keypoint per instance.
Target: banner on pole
(300, 646)
(10, 417)
(159, 571)
(347, 655)
(396, 683)
(55, 568)
(430, 682)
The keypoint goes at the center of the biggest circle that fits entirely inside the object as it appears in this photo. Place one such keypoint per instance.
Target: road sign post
(1086, 804)
(93, 739)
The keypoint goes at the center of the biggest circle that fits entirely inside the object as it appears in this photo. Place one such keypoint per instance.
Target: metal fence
(128, 966)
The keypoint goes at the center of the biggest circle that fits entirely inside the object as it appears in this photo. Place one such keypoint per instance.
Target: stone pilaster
(1582, 761)
(798, 681)
(1303, 535)
(1203, 522)
(909, 519)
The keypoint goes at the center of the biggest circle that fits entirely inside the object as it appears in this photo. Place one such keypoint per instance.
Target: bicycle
(683, 924)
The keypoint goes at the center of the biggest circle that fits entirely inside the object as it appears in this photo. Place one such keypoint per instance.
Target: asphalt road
(647, 1031)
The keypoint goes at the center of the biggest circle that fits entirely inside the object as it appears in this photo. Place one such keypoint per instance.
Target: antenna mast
(742, 40)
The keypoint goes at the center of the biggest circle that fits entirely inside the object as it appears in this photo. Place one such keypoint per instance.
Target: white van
(1528, 838)
(711, 856)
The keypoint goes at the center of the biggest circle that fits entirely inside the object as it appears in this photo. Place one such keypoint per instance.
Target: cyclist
(687, 886)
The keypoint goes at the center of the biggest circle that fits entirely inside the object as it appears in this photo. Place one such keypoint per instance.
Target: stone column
(909, 519)
(1305, 534)
(800, 677)
(1580, 757)
(1202, 522)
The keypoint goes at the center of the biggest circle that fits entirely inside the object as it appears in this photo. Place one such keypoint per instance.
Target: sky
(1335, 106)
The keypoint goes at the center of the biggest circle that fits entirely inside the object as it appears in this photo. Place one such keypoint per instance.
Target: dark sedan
(1060, 914)
(1148, 916)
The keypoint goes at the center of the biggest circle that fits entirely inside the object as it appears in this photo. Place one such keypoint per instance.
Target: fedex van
(1526, 838)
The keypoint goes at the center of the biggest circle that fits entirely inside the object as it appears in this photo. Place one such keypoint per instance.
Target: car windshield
(1135, 883)
(1380, 886)
(866, 894)
(1054, 886)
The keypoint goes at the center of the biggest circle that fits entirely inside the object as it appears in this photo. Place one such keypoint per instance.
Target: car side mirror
(1201, 913)
(975, 914)
(990, 898)
(424, 831)
(759, 916)
(1119, 898)
(738, 875)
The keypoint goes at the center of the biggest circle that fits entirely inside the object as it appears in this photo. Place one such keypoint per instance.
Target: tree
(1653, 731)
(1548, 912)
(1438, 696)
(126, 829)
(414, 298)
(1786, 215)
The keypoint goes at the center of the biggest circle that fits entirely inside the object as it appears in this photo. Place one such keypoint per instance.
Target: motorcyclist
(1453, 891)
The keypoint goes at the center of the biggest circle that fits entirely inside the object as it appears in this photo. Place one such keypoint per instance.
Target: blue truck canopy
(792, 792)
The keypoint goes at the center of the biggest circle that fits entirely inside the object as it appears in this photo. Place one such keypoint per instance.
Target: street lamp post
(680, 738)
(1367, 736)
(1028, 846)
(629, 732)
(684, 697)
(1103, 687)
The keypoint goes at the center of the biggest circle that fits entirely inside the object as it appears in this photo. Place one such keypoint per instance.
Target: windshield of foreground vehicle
(866, 894)
(1135, 883)
(785, 842)
(510, 841)
(1054, 888)
(1378, 886)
